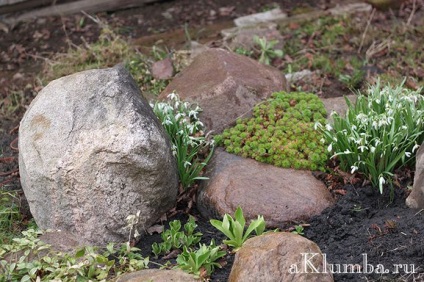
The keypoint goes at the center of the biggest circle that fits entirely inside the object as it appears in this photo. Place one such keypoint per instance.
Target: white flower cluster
(380, 126)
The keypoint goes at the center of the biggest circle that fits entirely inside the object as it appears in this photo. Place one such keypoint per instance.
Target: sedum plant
(233, 228)
(184, 128)
(379, 133)
(281, 132)
(202, 261)
(174, 238)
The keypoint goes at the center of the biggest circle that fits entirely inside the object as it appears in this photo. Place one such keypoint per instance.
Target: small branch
(366, 29)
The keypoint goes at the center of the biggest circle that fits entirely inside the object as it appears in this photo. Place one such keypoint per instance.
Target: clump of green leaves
(379, 133)
(181, 122)
(281, 132)
(233, 228)
(298, 229)
(200, 262)
(173, 238)
(267, 52)
(35, 261)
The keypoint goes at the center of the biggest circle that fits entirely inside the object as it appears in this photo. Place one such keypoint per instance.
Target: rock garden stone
(337, 104)
(278, 257)
(225, 85)
(254, 19)
(243, 37)
(163, 69)
(415, 200)
(91, 153)
(280, 195)
(157, 275)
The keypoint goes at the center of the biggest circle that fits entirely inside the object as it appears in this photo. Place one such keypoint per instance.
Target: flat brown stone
(279, 194)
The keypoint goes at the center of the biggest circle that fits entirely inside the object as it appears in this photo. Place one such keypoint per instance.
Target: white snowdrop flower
(167, 122)
(193, 114)
(354, 168)
(375, 124)
(344, 131)
(372, 149)
(381, 181)
(330, 147)
(416, 146)
(378, 101)
(347, 152)
(362, 118)
(186, 164)
(407, 154)
(172, 96)
(354, 128)
(317, 125)
(362, 148)
(199, 123)
(178, 116)
(322, 140)
(328, 127)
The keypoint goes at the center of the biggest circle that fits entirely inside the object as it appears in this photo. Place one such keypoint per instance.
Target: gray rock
(225, 85)
(279, 194)
(415, 200)
(91, 153)
(277, 257)
(61, 241)
(157, 275)
(243, 37)
(254, 19)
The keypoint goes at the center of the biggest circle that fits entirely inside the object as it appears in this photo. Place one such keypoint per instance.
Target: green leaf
(240, 217)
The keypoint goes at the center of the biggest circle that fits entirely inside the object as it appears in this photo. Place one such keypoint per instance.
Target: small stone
(157, 275)
(415, 200)
(254, 19)
(163, 69)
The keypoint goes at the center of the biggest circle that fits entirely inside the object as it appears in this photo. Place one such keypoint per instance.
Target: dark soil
(362, 221)
(366, 222)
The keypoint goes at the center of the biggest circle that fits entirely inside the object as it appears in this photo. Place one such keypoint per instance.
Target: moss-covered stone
(281, 132)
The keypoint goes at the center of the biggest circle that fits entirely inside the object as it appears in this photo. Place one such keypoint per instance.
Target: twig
(419, 212)
(366, 29)
(414, 9)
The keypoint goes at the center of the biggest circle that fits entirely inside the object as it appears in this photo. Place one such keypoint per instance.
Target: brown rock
(157, 275)
(415, 200)
(337, 104)
(225, 85)
(280, 195)
(278, 257)
(163, 69)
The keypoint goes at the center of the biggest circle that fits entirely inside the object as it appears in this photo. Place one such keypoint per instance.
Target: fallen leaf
(155, 229)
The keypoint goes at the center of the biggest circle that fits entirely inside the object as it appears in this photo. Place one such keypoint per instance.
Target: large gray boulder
(225, 85)
(91, 153)
(415, 200)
